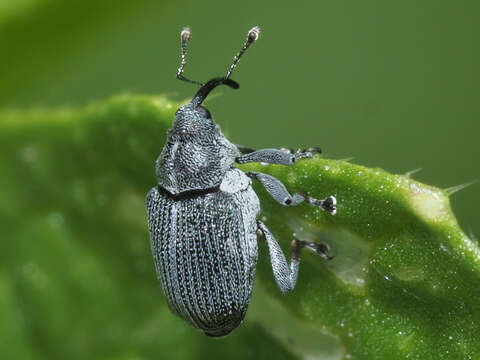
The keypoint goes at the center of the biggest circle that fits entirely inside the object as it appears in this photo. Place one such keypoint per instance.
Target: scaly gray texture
(205, 252)
(196, 155)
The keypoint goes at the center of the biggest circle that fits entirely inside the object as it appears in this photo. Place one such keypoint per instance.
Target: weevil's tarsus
(286, 274)
(280, 194)
(321, 249)
(184, 37)
(252, 36)
(328, 204)
(303, 153)
(307, 153)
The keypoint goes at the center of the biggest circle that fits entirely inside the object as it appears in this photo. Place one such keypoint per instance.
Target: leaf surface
(77, 278)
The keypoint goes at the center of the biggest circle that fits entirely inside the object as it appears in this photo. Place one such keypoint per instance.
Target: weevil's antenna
(252, 36)
(184, 37)
(212, 84)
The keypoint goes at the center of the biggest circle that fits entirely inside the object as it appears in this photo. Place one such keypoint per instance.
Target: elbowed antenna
(252, 36)
(202, 94)
(184, 37)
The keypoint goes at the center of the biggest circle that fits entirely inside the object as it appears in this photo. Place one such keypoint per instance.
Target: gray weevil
(202, 215)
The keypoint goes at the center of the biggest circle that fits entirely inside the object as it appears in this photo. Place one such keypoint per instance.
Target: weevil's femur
(209, 86)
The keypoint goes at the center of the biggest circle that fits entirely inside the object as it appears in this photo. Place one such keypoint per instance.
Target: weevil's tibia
(286, 274)
(184, 37)
(280, 194)
(276, 156)
(252, 36)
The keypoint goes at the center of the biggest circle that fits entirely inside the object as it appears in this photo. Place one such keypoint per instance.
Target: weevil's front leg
(285, 274)
(280, 194)
(274, 156)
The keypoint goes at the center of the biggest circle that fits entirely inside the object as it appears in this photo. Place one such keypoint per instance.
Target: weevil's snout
(206, 89)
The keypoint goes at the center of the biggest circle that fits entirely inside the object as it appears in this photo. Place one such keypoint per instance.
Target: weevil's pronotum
(202, 215)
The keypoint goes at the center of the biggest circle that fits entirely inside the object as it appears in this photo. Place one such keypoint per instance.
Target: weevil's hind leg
(286, 274)
(275, 156)
(280, 194)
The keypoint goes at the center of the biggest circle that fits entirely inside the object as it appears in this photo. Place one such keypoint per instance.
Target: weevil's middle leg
(274, 156)
(286, 274)
(280, 194)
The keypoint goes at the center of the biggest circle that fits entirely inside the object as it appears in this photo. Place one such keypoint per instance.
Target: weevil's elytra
(202, 215)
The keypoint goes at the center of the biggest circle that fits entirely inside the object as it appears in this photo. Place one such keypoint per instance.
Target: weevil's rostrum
(202, 215)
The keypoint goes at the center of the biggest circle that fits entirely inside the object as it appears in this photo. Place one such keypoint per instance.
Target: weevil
(203, 214)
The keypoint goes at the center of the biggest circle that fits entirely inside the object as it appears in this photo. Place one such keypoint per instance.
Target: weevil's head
(193, 118)
(196, 155)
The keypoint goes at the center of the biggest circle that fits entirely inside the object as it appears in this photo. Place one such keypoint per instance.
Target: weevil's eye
(207, 114)
(204, 112)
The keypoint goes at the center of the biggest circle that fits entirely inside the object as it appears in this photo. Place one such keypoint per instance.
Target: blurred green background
(393, 84)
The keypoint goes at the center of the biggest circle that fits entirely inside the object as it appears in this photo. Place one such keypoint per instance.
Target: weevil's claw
(330, 205)
(321, 249)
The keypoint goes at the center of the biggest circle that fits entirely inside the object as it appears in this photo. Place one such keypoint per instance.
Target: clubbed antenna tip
(254, 33)
(184, 37)
(185, 34)
(252, 36)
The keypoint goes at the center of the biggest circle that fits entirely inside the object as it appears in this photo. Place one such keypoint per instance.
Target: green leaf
(77, 278)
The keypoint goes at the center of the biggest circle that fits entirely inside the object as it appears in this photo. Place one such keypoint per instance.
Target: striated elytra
(202, 215)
